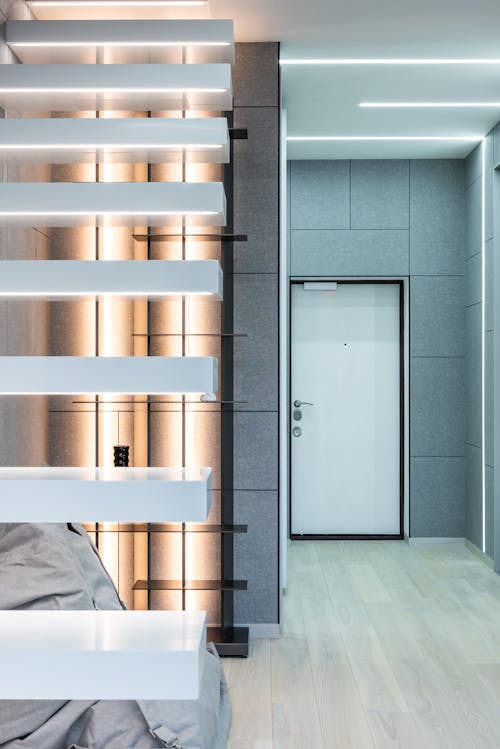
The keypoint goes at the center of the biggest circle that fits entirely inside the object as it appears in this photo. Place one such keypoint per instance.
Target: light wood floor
(385, 645)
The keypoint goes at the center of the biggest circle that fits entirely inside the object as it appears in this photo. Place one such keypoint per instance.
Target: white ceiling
(324, 101)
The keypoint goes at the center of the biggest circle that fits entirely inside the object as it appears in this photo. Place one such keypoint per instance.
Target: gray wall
(404, 219)
(476, 451)
(256, 213)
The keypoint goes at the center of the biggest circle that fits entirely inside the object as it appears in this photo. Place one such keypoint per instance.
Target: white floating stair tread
(65, 41)
(123, 375)
(101, 655)
(128, 278)
(105, 495)
(118, 140)
(112, 203)
(99, 9)
(116, 87)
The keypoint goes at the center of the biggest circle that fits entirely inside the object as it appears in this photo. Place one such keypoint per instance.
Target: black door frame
(358, 536)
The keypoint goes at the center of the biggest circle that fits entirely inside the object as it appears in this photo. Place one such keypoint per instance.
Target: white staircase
(153, 655)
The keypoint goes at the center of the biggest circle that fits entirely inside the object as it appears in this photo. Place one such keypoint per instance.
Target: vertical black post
(227, 395)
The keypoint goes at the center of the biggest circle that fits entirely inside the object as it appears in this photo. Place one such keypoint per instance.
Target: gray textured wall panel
(489, 511)
(349, 253)
(320, 194)
(437, 205)
(437, 497)
(473, 166)
(256, 75)
(488, 185)
(437, 316)
(437, 419)
(473, 376)
(473, 213)
(474, 279)
(256, 190)
(256, 451)
(474, 494)
(256, 356)
(380, 194)
(255, 557)
(488, 399)
(488, 310)
(256, 213)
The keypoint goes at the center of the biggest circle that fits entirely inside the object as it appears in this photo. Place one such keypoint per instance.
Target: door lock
(297, 415)
(297, 432)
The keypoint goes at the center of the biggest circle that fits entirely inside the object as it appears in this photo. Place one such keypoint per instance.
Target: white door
(345, 410)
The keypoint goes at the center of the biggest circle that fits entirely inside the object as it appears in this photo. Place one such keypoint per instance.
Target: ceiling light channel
(430, 104)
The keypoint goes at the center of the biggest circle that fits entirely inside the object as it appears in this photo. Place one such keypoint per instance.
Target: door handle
(298, 404)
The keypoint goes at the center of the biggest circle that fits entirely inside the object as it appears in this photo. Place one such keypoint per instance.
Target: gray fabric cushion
(56, 566)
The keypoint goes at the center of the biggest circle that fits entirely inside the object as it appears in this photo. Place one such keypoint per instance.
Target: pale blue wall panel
(436, 411)
(380, 194)
(320, 194)
(437, 315)
(437, 227)
(437, 497)
(344, 253)
(474, 495)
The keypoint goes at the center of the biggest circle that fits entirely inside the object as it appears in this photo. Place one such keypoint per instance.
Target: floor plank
(384, 645)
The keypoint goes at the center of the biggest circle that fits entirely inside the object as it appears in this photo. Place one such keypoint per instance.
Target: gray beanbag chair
(56, 566)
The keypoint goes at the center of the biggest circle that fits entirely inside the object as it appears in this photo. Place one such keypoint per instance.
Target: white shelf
(66, 375)
(105, 495)
(117, 140)
(114, 9)
(101, 655)
(133, 41)
(116, 87)
(125, 278)
(112, 203)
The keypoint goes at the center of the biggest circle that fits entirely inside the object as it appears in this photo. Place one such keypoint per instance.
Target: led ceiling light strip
(430, 104)
(409, 138)
(391, 61)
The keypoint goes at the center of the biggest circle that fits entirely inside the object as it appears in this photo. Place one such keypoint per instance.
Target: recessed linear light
(392, 61)
(430, 104)
(334, 138)
(114, 3)
(118, 44)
